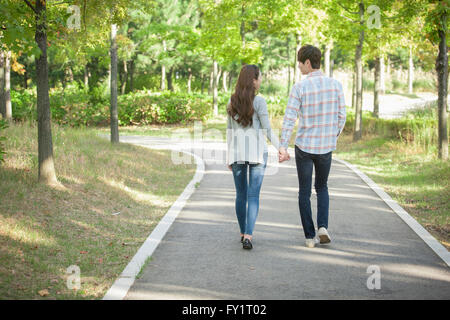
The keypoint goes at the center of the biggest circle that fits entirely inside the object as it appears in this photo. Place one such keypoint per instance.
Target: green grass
(407, 95)
(45, 230)
(213, 129)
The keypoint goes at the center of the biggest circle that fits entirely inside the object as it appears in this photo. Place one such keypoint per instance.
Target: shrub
(75, 106)
(24, 104)
(368, 85)
(143, 107)
(416, 127)
(397, 85)
(273, 87)
(424, 85)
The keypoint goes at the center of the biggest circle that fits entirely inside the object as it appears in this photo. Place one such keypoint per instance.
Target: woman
(248, 120)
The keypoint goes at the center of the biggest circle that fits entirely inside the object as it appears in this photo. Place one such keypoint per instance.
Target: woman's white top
(249, 143)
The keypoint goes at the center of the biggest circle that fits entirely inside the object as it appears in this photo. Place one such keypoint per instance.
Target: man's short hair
(312, 53)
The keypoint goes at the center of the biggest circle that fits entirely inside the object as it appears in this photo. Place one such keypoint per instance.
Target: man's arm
(290, 116)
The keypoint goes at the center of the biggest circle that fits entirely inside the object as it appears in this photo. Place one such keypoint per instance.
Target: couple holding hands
(318, 103)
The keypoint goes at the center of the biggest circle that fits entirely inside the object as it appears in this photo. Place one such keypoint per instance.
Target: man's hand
(283, 155)
(230, 168)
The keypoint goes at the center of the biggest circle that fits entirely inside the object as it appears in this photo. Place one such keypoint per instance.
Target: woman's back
(249, 143)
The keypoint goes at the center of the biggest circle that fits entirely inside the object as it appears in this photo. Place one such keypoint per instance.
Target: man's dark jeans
(322, 165)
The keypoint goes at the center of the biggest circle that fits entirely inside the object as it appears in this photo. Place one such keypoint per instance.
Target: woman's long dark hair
(244, 93)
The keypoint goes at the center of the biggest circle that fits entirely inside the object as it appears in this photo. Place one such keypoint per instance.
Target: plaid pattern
(319, 103)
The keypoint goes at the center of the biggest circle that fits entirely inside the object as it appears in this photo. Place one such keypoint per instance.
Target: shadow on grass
(44, 231)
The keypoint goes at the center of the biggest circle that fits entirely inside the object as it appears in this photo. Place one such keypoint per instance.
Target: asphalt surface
(201, 256)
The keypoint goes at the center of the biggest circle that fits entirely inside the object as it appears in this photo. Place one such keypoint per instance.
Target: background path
(201, 256)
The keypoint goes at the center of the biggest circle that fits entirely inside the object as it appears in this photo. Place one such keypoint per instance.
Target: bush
(368, 85)
(424, 85)
(24, 104)
(273, 87)
(416, 127)
(75, 106)
(143, 107)
(397, 85)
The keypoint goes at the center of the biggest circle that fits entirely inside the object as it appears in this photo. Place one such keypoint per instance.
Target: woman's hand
(283, 155)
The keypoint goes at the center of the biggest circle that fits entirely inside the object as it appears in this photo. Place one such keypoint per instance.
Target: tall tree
(435, 30)
(442, 73)
(2, 84)
(113, 107)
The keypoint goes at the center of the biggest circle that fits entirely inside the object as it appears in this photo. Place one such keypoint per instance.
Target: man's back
(319, 103)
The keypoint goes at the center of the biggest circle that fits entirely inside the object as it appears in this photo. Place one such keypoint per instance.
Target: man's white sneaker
(323, 236)
(311, 243)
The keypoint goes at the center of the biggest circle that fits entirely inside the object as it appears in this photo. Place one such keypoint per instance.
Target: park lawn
(45, 230)
(412, 176)
(212, 129)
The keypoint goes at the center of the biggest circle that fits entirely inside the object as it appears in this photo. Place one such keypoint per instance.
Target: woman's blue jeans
(248, 192)
(322, 164)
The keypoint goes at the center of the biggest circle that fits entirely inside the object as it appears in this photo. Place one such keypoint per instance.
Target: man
(319, 102)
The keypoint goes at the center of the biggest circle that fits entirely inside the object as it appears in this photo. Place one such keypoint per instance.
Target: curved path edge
(434, 244)
(123, 283)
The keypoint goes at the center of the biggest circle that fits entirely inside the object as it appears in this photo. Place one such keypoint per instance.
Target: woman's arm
(263, 115)
(229, 133)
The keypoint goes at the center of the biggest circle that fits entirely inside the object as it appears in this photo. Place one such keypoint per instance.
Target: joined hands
(283, 155)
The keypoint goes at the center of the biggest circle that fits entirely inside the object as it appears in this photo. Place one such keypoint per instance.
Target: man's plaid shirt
(319, 103)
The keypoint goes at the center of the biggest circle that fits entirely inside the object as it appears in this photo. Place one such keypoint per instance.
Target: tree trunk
(170, 79)
(125, 77)
(331, 68)
(132, 75)
(230, 80)
(357, 135)
(8, 113)
(388, 67)
(63, 80)
(25, 76)
(215, 94)
(410, 71)
(354, 89)
(189, 80)
(70, 74)
(86, 76)
(297, 74)
(2, 85)
(219, 74)
(326, 58)
(211, 82)
(377, 88)
(47, 173)
(382, 77)
(442, 73)
(203, 83)
(109, 75)
(242, 31)
(224, 81)
(289, 67)
(163, 70)
(113, 84)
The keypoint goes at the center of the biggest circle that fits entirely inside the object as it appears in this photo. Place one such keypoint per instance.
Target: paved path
(396, 105)
(201, 256)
